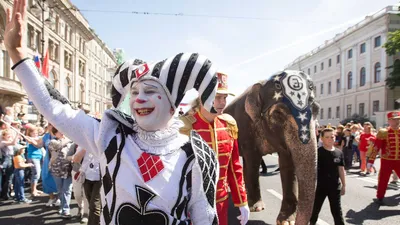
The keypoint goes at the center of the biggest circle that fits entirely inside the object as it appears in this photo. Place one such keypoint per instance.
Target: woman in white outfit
(151, 174)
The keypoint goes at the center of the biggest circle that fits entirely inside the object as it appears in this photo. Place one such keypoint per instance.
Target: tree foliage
(358, 119)
(392, 47)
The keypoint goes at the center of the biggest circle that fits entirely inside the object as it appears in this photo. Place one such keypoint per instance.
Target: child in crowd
(348, 148)
(19, 167)
(371, 157)
(331, 181)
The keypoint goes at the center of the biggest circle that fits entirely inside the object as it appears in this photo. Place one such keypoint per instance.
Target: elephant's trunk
(306, 177)
(305, 163)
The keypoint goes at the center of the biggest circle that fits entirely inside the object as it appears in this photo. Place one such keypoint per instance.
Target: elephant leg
(289, 190)
(251, 178)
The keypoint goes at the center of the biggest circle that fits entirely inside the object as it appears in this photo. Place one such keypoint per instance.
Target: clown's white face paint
(150, 105)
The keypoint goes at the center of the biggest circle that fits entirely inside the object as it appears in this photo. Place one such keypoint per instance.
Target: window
(348, 111)
(329, 62)
(362, 77)
(57, 25)
(31, 37)
(322, 89)
(375, 106)
(309, 71)
(53, 50)
(338, 85)
(377, 42)
(349, 80)
(322, 66)
(67, 60)
(337, 112)
(338, 59)
(82, 94)
(329, 88)
(350, 54)
(82, 68)
(362, 48)
(66, 33)
(361, 107)
(6, 64)
(52, 78)
(67, 87)
(377, 72)
(329, 113)
(322, 114)
(38, 39)
(315, 69)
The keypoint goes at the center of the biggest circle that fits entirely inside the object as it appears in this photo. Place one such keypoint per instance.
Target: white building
(101, 65)
(68, 38)
(349, 70)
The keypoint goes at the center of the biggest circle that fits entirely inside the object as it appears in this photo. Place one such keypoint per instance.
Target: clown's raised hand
(15, 31)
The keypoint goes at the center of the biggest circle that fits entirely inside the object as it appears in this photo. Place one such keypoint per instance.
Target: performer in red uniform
(220, 132)
(387, 141)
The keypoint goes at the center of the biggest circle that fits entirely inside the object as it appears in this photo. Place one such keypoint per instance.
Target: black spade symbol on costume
(128, 213)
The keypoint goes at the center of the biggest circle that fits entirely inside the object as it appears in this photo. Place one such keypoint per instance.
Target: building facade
(102, 66)
(68, 40)
(349, 71)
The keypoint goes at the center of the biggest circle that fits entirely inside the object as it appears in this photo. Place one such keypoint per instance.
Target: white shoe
(50, 202)
(57, 203)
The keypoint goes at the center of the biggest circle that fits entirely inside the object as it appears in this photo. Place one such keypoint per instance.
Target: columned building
(68, 40)
(349, 71)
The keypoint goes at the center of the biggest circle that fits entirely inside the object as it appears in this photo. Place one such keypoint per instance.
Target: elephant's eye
(311, 85)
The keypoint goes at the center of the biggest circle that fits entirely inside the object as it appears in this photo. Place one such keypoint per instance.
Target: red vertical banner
(45, 66)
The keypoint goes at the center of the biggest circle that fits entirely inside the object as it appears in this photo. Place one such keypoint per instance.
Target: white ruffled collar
(161, 142)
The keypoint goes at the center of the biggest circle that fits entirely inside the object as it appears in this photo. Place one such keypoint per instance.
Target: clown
(150, 173)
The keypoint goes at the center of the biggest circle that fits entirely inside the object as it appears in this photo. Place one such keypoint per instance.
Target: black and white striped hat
(177, 75)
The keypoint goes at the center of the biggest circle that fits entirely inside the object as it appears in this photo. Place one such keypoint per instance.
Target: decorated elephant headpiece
(296, 90)
(176, 75)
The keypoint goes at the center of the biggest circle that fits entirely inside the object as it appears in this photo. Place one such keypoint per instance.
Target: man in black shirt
(331, 178)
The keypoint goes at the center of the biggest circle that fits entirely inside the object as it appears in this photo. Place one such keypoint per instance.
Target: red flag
(45, 68)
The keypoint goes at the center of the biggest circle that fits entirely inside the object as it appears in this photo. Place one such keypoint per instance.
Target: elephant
(278, 115)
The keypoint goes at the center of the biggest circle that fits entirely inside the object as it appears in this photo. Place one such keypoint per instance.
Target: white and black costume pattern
(160, 178)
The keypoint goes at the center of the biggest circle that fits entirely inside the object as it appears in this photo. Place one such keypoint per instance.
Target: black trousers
(92, 192)
(334, 196)
(348, 157)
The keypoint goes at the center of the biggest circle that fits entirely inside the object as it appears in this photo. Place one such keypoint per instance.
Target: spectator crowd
(31, 155)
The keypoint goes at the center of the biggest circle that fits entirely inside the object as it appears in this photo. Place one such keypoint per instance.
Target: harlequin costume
(221, 135)
(157, 178)
(387, 141)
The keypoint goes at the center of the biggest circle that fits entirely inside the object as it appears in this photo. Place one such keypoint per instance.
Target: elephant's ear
(253, 103)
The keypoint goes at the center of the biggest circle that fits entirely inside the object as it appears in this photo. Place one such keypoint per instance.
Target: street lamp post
(38, 8)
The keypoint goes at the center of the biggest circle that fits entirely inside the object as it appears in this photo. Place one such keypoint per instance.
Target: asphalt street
(358, 206)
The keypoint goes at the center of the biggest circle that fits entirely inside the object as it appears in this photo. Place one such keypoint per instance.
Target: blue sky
(229, 43)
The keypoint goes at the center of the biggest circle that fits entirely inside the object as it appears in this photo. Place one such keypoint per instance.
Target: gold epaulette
(382, 134)
(188, 124)
(232, 125)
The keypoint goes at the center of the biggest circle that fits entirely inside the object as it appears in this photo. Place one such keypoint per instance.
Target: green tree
(392, 47)
(358, 119)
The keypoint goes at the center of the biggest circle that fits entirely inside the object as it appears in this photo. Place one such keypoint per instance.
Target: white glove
(369, 165)
(244, 214)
